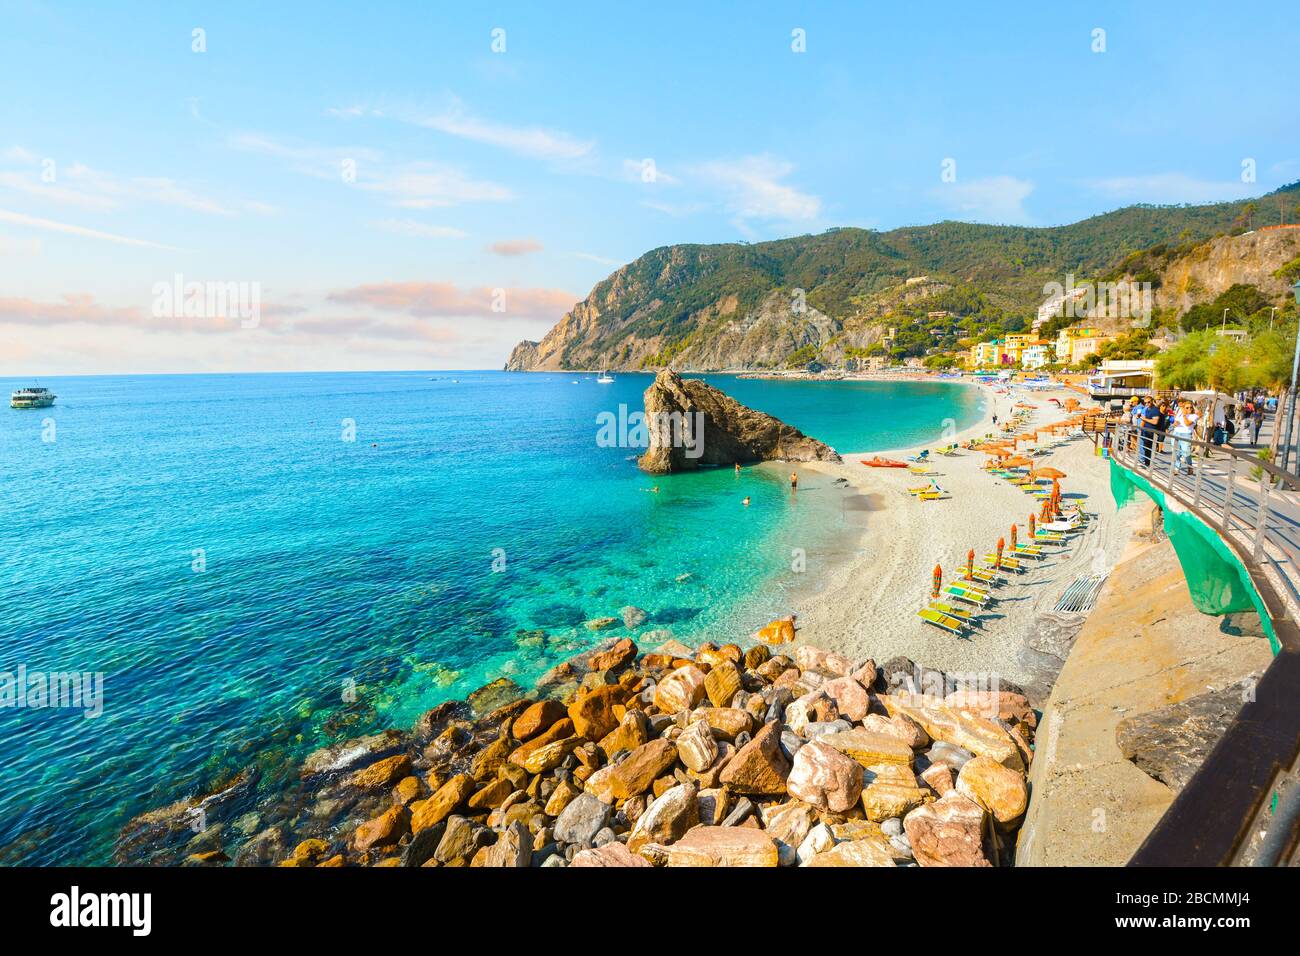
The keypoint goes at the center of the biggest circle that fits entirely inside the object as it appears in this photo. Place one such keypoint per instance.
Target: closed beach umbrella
(1013, 537)
(1001, 546)
(938, 581)
(970, 565)
(1046, 510)
(1031, 524)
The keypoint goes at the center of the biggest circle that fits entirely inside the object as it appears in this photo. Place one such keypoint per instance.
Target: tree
(1183, 365)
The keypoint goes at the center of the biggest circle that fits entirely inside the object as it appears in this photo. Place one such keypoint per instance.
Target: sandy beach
(866, 601)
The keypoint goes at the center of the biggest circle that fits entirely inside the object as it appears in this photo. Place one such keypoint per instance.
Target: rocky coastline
(712, 756)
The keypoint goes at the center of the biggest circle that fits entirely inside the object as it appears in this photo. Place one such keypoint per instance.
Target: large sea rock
(693, 424)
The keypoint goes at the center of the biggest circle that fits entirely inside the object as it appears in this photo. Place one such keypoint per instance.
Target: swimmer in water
(794, 480)
(746, 501)
(737, 468)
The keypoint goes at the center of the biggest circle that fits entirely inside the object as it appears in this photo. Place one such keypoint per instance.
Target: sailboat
(604, 378)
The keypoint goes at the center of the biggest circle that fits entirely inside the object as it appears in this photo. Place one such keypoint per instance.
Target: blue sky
(515, 179)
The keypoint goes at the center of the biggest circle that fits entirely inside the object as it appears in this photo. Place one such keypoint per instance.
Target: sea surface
(260, 565)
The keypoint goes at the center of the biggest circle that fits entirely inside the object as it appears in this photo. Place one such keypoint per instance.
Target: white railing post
(1261, 521)
(1227, 498)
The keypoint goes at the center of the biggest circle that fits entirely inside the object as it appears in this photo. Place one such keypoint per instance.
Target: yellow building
(1065, 342)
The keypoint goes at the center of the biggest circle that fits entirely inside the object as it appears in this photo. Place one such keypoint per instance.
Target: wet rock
(600, 623)
(632, 616)
(352, 754)
(618, 655)
(537, 718)
(384, 830)
(498, 693)
(427, 813)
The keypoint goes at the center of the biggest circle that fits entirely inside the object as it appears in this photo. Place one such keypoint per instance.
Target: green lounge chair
(969, 595)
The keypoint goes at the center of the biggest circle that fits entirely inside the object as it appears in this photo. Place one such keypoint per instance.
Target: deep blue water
(470, 507)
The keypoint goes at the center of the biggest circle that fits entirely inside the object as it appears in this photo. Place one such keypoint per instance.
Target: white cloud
(431, 185)
(591, 257)
(409, 227)
(752, 189)
(515, 247)
(51, 226)
(995, 199)
(1171, 188)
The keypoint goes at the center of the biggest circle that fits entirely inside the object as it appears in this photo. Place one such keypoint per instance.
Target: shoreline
(865, 604)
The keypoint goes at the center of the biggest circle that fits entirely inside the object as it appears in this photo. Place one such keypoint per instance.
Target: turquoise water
(216, 548)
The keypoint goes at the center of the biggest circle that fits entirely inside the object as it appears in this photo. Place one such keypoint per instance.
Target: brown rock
(384, 830)
(667, 818)
(759, 767)
(680, 690)
(851, 698)
(615, 657)
(407, 791)
(869, 748)
(632, 731)
(756, 657)
(559, 730)
(537, 718)
(382, 773)
(722, 683)
(722, 846)
(974, 733)
(560, 798)
(427, 813)
(696, 747)
(948, 832)
(641, 767)
(1000, 791)
(939, 777)
(491, 795)
(487, 762)
(726, 722)
(780, 631)
(988, 704)
(593, 714)
(824, 777)
(611, 854)
(856, 853)
(905, 729)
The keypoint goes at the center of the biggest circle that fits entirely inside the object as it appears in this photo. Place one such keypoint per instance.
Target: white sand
(866, 605)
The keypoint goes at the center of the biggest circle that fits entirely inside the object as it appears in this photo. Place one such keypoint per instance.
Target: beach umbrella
(970, 565)
(1046, 510)
(1049, 472)
(1031, 525)
(1001, 546)
(938, 581)
(1013, 537)
(1017, 461)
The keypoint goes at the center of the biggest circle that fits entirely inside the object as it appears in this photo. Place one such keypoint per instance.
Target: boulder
(780, 631)
(618, 655)
(582, 819)
(851, 698)
(636, 772)
(948, 832)
(384, 830)
(725, 722)
(382, 773)
(631, 732)
(696, 747)
(1170, 743)
(611, 854)
(722, 684)
(825, 777)
(1000, 791)
(632, 617)
(691, 423)
(427, 813)
(667, 818)
(352, 753)
(869, 748)
(514, 848)
(974, 733)
(759, 767)
(870, 852)
(537, 718)
(1002, 704)
(680, 690)
(722, 846)
(593, 713)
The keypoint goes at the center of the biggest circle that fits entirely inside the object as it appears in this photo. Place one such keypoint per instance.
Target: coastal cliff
(692, 423)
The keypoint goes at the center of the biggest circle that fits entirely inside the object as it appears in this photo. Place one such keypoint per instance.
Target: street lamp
(1290, 394)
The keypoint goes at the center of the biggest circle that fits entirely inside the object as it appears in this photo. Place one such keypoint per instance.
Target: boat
(34, 397)
(879, 462)
(604, 379)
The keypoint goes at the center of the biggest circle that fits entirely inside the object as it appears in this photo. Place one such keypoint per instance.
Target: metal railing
(1255, 508)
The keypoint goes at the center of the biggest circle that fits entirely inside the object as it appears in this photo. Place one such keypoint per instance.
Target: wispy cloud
(421, 230)
(515, 247)
(592, 257)
(49, 225)
(752, 189)
(427, 185)
(1171, 188)
(447, 300)
(536, 142)
(995, 199)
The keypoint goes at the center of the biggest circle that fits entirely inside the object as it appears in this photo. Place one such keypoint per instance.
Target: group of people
(1154, 420)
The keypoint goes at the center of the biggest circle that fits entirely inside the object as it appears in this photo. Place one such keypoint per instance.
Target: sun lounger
(920, 470)
(968, 594)
(939, 619)
(986, 577)
(933, 496)
(1008, 564)
(957, 612)
(1028, 551)
(1049, 537)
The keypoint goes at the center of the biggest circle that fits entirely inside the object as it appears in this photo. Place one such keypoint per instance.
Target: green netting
(1216, 580)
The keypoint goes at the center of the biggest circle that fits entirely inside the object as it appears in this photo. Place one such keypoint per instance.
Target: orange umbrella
(1046, 510)
(1018, 461)
(1031, 526)
(1049, 472)
(970, 564)
(1013, 537)
(938, 581)
(1001, 545)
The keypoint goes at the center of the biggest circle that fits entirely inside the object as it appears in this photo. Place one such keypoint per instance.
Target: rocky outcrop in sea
(713, 756)
(691, 423)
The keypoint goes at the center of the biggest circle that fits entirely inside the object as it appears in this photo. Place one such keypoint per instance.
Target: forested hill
(738, 305)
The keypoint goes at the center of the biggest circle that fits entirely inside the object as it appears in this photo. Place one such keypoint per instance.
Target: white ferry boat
(34, 397)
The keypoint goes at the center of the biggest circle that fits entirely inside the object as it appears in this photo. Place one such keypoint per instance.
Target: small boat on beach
(879, 462)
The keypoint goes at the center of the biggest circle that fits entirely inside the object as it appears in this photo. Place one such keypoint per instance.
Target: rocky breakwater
(691, 423)
(714, 756)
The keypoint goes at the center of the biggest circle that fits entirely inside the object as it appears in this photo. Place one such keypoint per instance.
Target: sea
(253, 566)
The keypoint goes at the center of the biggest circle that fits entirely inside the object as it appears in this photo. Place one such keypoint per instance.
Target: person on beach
(1185, 420)
(1256, 421)
(794, 480)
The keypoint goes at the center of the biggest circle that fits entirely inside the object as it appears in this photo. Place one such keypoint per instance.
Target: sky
(207, 187)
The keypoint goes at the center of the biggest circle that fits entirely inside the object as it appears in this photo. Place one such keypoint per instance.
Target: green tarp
(1216, 579)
